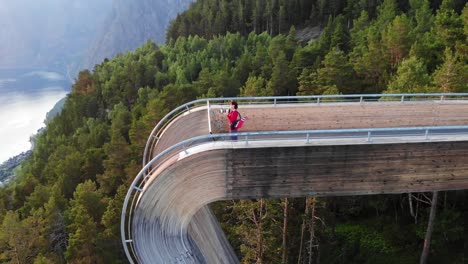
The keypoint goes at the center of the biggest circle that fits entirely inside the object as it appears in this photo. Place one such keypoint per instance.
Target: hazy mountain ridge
(132, 23)
(49, 34)
(67, 36)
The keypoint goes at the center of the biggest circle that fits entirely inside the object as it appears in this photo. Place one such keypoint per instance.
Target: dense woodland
(64, 205)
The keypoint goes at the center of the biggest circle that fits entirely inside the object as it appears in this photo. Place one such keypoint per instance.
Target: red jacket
(233, 116)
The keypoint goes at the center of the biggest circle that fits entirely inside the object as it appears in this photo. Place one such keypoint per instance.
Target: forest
(64, 205)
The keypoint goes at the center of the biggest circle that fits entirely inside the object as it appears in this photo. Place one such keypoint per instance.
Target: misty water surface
(25, 98)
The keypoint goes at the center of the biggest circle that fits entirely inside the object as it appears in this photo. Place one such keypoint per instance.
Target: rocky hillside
(7, 168)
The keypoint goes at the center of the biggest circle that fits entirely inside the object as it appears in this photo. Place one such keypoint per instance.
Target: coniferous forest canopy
(64, 206)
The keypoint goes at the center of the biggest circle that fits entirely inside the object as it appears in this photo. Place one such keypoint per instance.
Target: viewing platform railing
(276, 100)
(300, 138)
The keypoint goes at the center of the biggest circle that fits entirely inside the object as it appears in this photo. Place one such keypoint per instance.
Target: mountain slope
(49, 34)
(130, 24)
(66, 36)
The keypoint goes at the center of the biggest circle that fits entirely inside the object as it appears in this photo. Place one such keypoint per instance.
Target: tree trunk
(301, 243)
(306, 213)
(430, 226)
(271, 23)
(285, 230)
(312, 229)
(445, 201)
(16, 255)
(410, 200)
(260, 235)
(417, 212)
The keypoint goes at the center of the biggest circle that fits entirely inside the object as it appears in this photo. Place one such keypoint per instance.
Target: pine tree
(81, 245)
(283, 79)
(335, 71)
(117, 150)
(340, 36)
(307, 82)
(86, 209)
(422, 13)
(21, 240)
(111, 245)
(243, 67)
(371, 65)
(387, 12)
(55, 231)
(411, 77)
(397, 39)
(255, 86)
(204, 81)
(291, 44)
(358, 35)
(448, 25)
(465, 20)
(451, 76)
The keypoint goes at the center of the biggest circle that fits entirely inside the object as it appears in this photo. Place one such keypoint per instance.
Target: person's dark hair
(235, 104)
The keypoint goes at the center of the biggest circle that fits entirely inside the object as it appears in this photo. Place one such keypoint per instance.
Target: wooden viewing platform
(171, 222)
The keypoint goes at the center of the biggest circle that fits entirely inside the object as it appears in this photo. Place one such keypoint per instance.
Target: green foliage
(255, 86)
(451, 76)
(209, 18)
(283, 78)
(370, 240)
(110, 244)
(21, 240)
(411, 77)
(81, 245)
(55, 229)
(36, 200)
(369, 61)
(64, 205)
(41, 259)
(258, 229)
(422, 13)
(335, 72)
(86, 209)
(397, 39)
(465, 19)
(448, 26)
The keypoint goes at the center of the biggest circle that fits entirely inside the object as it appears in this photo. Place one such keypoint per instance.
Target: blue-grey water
(25, 97)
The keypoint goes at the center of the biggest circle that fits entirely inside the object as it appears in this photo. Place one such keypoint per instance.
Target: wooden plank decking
(172, 223)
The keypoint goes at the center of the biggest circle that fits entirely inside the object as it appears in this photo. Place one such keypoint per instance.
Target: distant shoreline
(27, 96)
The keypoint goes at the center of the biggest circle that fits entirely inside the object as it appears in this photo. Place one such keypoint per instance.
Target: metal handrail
(274, 100)
(137, 187)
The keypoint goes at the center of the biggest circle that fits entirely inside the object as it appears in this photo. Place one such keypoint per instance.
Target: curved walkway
(165, 218)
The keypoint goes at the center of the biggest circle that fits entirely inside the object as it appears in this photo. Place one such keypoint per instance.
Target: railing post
(209, 115)
(185, 149)
(402, 98)
(274, 102)
(308, 138)
(369, 139)
(360, 100)
(186, 107)
(246, 139)
(318, 100)
(427, 134)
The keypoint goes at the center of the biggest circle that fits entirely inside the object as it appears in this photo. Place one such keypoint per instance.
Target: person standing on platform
(233, 116)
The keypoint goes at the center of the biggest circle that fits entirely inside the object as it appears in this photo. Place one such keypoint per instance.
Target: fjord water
(25, 97)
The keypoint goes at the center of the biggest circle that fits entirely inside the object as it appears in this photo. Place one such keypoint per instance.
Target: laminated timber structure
(289, 147)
